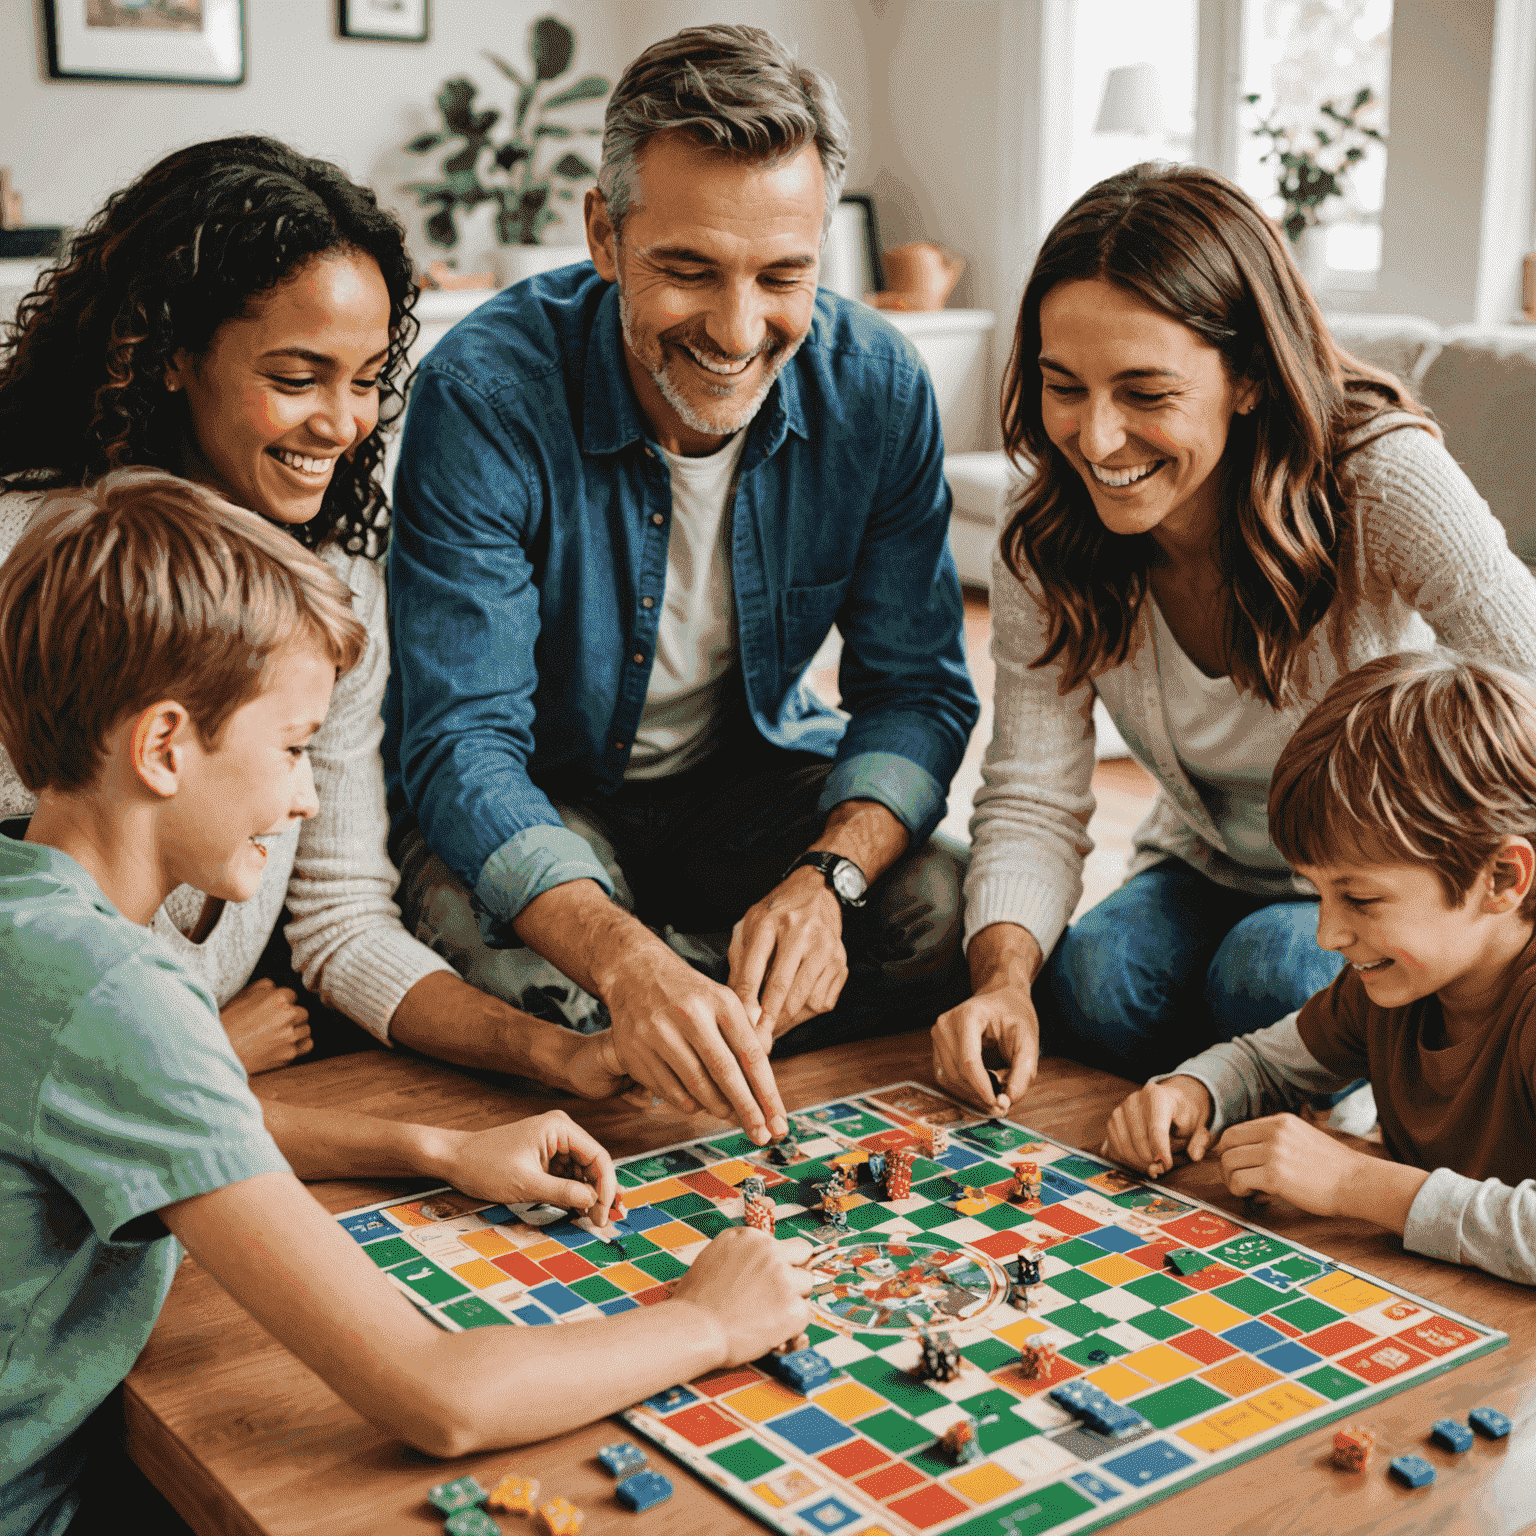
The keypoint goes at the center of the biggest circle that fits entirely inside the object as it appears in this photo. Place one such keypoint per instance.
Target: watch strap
(826, 861)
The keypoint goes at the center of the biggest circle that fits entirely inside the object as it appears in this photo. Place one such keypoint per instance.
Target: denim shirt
(529, 554)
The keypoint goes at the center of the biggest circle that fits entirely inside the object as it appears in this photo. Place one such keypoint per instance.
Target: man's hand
(1157, 1121)
(1004, 961)
(266, 1026)
(787, 953)
(751, 1290)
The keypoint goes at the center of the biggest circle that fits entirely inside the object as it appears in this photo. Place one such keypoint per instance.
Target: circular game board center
(903, 1286)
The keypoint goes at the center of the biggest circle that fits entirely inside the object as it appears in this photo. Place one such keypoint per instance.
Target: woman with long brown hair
(1226, 513)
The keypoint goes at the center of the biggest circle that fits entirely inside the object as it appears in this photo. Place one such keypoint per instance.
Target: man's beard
(777, 354)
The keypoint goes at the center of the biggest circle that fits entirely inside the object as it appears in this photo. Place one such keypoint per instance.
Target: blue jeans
(1171, 963)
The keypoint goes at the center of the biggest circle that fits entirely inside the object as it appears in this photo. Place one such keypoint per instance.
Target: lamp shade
(1133, 101)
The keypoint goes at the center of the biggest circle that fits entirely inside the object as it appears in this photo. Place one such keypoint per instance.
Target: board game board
(1265, 1343)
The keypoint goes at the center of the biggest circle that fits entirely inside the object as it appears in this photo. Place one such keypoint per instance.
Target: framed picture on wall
(386, 21)
(850, 259)
(177, 42)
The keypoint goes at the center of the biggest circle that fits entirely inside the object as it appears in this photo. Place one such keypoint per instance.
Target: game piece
(561, 1517)
(1450, 1435)
(802, 1369)
(1099, 1356)
(1037, 1360)
(643, 1490)
(939, 1360)
(461, 1493)
(1098, 1410)
(1352, 1447)
(959, 1443)
(932, 1139)
(1188, 1261)
(758, 1213)
(471, 1522)
(1413, 1470)
(754, 1184)
(621, 1458)
(515, 1494)
(1026, 1183)
(898, 1175)
(1490, 1422)
(1024, 1280)
(876, 1167)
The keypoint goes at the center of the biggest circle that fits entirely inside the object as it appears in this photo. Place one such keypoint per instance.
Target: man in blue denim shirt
(631, 503)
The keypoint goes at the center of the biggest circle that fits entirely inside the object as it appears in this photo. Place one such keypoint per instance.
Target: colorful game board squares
(1117, 1381)
(732, 1379)
(849, 1400)
(1438, 1336)
(1208, 1312)
(367, 1226)
(895, 1431)
(557, 1297)
(1289, 1357)
(598, 1291)
(673, 1234)
(1286, 1401)
(1227, 1427)
(854, 1459)
(983, 1484)
(810, 1430)
(707, 1184)
(701, 1425)
(890, 1482)
(1116, 1269)
(1157, 1324)
(1251, 1250)
(392, 1251)
(1065, 1219)
(1210, 1278)
(1250, 1295)
(1279, 1324)
(487, 1243)
(628, 1277)
(1346, 1292)
(1160, 1363)
(480, 1273)
(1076, 1285)
(1159, 1289)
(1202, 1345)
(1179, 1401)
(1239, 1376)
(534, 1317)
(429, 1281)
(1201, 1229)
(928, 1506)
(747, 1459)
(1307, 1314)
(1150, 1462)
(1388, 1358)
(1253, 1336)
(1079, 1319)
(1114, 1239)
(1337, 1338)
(545, 1248)
(1333, 1383)
(568, 1267)
(1094, 1486)
(828, 1514)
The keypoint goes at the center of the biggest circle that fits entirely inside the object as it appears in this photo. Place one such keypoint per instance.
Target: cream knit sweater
(1430, 562)
(332, 870)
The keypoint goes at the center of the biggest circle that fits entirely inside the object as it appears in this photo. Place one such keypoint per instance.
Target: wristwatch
(844, 878)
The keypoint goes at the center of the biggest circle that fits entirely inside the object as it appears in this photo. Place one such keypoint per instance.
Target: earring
(172, 386)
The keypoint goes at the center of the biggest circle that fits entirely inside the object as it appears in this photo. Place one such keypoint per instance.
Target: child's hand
(266, 1026)
(1284, 1155)
(748, 1284)
(548, 1157)
(1159, 1120)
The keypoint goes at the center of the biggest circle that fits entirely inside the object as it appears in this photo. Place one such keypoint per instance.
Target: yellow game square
(673, 1235)
(1238, 1422)
(768, 1496)
(1117, 1381)
(1205, 1437)
(733, 1172)
(629, 1278)
(974, 1207)
(1348, 1293)
(1209, 1312)
(1285, 1402)
(480, 1274)
(850, 1401)
(654, 1194)
(545, 1248)
(849, 1159)
(1115, 1269)
(1160, 1363)
(981, 1485)
(1240, 1375)
(491, 1244)
(764, 1400)
(1017, 1333)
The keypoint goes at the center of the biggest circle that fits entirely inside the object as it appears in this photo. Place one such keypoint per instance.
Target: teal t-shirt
(119, 1094)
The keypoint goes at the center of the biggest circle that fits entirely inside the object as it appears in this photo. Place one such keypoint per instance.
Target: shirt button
(650, 453)
(639, 659)
(657, 518)
(647, 602)
(618, 746)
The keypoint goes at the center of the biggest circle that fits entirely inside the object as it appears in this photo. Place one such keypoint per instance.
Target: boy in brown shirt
(1408, 798)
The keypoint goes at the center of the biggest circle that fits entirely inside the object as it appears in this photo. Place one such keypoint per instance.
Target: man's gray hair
(736, 88)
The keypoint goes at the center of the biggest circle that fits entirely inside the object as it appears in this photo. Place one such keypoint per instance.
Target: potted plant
(1309, 176)
(524, 174)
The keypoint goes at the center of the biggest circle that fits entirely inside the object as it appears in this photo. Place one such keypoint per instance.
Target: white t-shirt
(1228, 742)
(695, 645)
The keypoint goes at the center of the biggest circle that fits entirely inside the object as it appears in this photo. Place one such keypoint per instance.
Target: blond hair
(145, 587)
(1423, 758)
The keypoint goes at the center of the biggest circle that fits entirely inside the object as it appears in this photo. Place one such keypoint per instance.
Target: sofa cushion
(1405, 345)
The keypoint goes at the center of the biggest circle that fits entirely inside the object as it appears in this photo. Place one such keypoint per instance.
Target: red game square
(702, 1425)
(1439, 1336)
(706, 1184)
(1200, 1229)
(1015, 1380)
(1280, 1325)
(1202, 1346)
(1337, 1337)
(521, 1269)
(1154, 1253)
(1065, 1219)
(719, 1382)
(889, 1481)
(928, 1506)
(569, 1266)
(853, 1459)
(1003, 1245)
(1210, 1277)
(1383, 1360)
(656, 1293)
(888, 1141)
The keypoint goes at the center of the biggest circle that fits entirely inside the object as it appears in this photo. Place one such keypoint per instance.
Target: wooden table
(244, 1439)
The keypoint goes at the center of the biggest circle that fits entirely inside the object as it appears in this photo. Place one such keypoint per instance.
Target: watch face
(848, 880)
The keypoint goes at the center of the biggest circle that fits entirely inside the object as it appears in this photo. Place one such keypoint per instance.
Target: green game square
(979, 1175)
(924, 1169)
(1299, 1267)
(662, 1265)
(393, 1250)
(1158, 1324)
(818, 1335)
(426, 1279)
(1076, 1251)
(709, 1223)
(684, 1206)
(1009, 1427)
(997, 1135)
(738, 1145)
(854, 1125)
(1076, 1284)
(1158, 1289)
(630, 1180)
(1308, 1314)
(472, 1312)
(1332, 1382)
(1249, 1295)
(895, 1431)
(895, 1386)
(1002, 1217)
(594, 1288)
(1079, 1319)
(934, 1189)
(1080, 1351)
(989, 1354)
(930, 1216)
(802, 1222)
(862, 1217)
(1081, 1168)
(1183, 1400)
(1031, 1515)
(636, 1246)
(1250, 1250)
(747, 1459)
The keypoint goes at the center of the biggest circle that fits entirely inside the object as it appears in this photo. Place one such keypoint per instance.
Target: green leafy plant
(515, 173)
(1308, 177)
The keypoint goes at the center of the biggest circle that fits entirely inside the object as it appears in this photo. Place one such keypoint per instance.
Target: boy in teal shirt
(125, 1119)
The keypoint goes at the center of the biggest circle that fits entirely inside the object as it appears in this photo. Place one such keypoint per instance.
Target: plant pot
(516, 262)
(1311, 253)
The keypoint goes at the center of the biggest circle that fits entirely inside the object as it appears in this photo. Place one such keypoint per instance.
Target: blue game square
(829, 1515)
(618, 1304)
(1095, 1487)
(367, 1226)
(1115, 1239)
(811, 1430)
(1289, 1357)
(644, 1217)
(557, 1297)
(670, 1400)
(569, 1233)
(959, 1157)
(495, 1214)
(1063, 1186)
(1253, 1337)
(535, 1317)
(1148, 1463)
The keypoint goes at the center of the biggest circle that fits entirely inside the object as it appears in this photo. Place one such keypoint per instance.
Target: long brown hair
(1198, 249)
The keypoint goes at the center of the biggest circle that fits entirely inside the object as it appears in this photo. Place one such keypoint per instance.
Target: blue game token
(621, 1457)
(802, 1369)
(643, 1489)
(1451, 1435)
(1490, 1421)
(1413, 1470)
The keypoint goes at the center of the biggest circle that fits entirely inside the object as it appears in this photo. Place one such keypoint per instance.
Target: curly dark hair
(158, 270)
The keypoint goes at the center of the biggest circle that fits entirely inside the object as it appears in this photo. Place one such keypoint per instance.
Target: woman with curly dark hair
(239, 315)
(1225, 514)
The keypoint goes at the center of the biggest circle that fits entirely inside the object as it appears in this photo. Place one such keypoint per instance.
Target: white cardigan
(1430, 562)
(332, 870)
